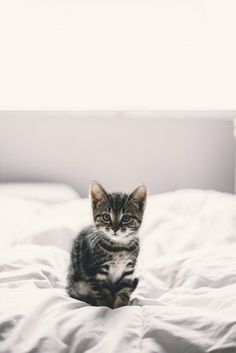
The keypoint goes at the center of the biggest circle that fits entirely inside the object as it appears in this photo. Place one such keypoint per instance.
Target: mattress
(185, 300)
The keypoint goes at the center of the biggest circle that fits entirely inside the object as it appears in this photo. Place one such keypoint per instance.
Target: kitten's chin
(121, 239)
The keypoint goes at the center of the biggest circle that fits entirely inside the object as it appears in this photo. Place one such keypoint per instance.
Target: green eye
(106, 218)
(126, 219)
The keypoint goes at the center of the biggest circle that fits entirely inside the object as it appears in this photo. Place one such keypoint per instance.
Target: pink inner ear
(140, 193)
(96, 192)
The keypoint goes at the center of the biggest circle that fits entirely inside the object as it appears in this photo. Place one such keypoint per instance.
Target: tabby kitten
(104, 255)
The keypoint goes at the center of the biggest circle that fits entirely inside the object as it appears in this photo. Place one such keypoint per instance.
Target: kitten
(104, 255)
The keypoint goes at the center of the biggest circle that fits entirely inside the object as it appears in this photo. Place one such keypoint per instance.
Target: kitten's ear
(139, 195)
(97, 193)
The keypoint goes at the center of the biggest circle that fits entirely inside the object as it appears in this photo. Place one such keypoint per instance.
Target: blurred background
(118, 91)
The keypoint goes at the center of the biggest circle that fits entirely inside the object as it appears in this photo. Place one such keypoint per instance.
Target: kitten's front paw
(122, 299)
(119, 302)
(105, 299)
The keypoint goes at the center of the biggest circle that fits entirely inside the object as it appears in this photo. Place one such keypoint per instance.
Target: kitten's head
(118, 215)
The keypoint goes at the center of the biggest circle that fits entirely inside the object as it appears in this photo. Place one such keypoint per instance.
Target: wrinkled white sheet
(185, 300)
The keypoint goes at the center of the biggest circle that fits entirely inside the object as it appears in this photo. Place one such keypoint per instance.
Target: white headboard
(165, 150)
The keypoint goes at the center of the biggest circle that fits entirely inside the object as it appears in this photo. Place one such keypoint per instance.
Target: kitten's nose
(115, 228)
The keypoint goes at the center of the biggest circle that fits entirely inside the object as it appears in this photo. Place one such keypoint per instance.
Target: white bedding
(185, 300)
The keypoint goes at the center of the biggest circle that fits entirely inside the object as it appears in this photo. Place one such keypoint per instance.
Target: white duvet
(185, 300)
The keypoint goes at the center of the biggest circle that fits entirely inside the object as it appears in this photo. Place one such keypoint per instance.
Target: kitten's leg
(122, 297)
(105, 298)
(123, 294)
(135, 283)
(81, 291)
(104, 293)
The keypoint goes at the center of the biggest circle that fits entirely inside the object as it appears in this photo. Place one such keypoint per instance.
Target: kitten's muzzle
(115, 229)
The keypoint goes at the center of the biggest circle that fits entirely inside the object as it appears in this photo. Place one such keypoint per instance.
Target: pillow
(43, 192)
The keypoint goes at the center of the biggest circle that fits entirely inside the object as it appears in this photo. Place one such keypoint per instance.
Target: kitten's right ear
(139, 196)
(97, 193)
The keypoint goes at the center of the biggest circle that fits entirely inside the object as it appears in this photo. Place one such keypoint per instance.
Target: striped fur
(104, 255)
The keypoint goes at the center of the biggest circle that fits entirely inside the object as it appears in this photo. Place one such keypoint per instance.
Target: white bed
(185, 301)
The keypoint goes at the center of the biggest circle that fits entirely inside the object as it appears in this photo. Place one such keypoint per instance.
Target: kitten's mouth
(122, 235)
(115, 234)
(118, 235)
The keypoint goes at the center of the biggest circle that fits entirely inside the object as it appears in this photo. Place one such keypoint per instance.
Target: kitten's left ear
(139, 195)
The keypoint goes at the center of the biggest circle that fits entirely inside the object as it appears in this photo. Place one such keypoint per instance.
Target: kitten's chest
(118, 265)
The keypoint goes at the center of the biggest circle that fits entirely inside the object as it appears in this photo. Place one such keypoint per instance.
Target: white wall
(118, 150)
(117, 54)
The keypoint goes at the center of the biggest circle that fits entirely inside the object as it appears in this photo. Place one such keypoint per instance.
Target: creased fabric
(185, 300)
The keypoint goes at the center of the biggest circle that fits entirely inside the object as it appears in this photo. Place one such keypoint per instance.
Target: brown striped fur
(104, 255)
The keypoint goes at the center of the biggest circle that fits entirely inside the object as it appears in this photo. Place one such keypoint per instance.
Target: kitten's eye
(126, 219)
(106, 218)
